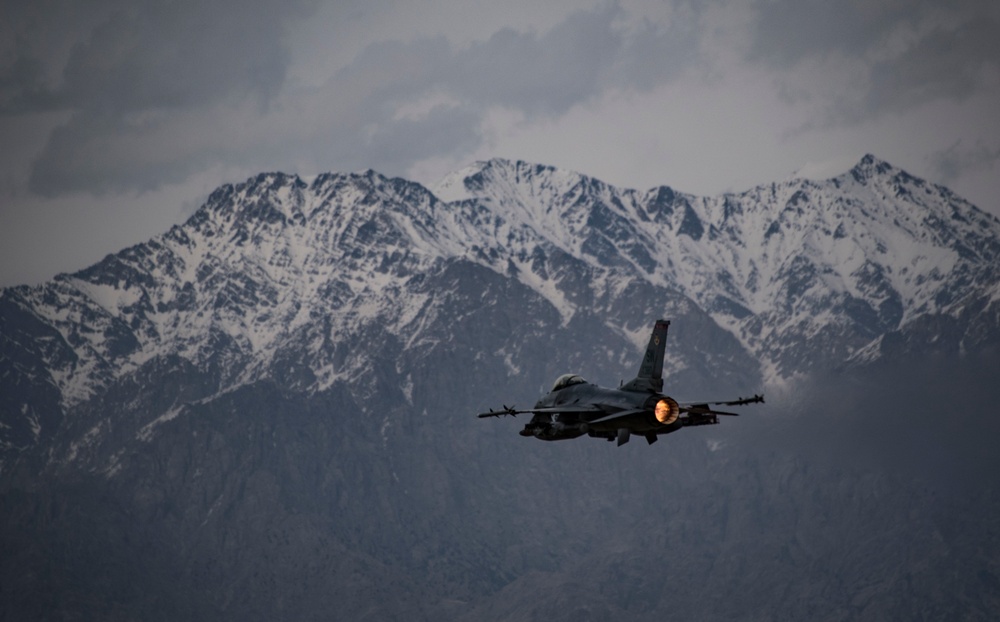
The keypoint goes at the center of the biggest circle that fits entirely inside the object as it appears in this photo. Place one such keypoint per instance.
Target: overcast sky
(118, 118)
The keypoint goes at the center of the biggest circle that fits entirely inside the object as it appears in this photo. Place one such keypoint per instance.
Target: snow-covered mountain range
(805, 275)
(785, 267)
(274, 400)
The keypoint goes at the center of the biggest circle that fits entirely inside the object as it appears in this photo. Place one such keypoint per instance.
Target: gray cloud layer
(154, 91)
(156, 94)
(902, 53)
(142, 67)
(958, 159)
(155, 54)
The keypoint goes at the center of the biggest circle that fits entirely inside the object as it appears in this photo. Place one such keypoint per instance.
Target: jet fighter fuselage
(575, 407)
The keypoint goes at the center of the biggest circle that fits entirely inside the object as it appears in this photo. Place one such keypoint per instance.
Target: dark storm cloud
(103, 153)
(161, 54)
(546, 75)
(134, 61)
(945, 63)
(958, 159)
(537, 75)
(21, 85)
(573, 62)
(173, 56)
(788, 30)
(910, 51)
(158, 91)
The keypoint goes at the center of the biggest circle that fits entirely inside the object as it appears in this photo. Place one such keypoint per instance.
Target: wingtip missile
(506, 411)
(756, 399)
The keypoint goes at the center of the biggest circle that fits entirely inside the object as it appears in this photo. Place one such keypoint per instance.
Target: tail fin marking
(650, 376)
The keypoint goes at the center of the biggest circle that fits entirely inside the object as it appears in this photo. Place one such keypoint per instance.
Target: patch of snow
(145, 433)
(86, 440)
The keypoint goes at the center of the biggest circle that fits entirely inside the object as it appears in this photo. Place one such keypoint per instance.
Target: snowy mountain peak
(484, 177)
(862, 253)
(799, 276)
(869, 166)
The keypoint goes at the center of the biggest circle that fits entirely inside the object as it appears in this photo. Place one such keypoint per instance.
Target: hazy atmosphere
(118, 118)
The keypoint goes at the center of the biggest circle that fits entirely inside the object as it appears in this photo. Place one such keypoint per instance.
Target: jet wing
(552, 410)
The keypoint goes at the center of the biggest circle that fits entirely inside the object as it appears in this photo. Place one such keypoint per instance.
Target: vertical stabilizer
(650, 376)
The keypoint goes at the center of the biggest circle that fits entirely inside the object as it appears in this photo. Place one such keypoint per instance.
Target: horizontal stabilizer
(551, 410)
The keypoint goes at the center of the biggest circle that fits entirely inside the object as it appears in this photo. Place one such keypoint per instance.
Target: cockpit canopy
(567, 380)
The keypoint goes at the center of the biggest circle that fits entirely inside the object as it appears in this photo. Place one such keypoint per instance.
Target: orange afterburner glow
(667, 411)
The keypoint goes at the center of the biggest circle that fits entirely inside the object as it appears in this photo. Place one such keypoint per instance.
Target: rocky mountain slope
(266, 411)
(804, 273)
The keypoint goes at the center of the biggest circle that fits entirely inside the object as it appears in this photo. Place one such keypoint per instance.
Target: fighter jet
(575, 407)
